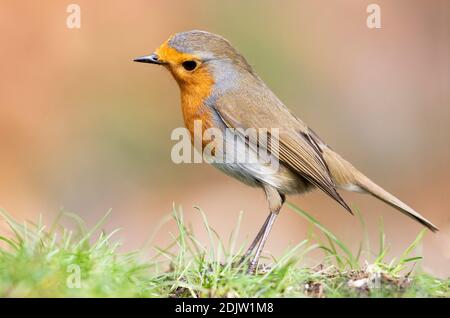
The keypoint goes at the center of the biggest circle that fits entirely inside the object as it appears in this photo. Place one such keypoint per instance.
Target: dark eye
(189, 65)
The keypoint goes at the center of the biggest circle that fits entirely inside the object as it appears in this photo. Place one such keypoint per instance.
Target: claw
(252, 268)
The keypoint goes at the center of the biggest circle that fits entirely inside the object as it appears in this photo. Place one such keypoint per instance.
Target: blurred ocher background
(84, 128)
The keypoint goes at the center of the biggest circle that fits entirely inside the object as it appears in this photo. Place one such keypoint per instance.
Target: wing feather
(296, 148)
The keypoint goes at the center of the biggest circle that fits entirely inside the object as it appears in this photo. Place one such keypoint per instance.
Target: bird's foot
(251, 266)
(244, 258)
(251, 270)
(246, 264)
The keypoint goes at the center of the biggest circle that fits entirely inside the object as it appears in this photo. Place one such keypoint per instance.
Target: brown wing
(297, 149)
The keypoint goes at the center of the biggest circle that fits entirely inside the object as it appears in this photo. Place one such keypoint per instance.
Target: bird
(221, 90)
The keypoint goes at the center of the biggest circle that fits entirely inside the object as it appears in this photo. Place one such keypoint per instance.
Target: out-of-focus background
(84, 128)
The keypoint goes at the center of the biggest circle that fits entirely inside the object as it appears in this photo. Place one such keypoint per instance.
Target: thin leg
(268, 227)
(255, 241)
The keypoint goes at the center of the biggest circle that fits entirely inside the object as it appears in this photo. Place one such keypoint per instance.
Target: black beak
(152, 59)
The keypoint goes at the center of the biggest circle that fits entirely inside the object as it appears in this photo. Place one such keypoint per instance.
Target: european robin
(221, 90)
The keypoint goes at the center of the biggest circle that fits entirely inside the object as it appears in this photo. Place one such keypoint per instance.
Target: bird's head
(194, 57)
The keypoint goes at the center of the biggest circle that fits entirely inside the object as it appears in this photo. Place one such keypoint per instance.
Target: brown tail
(369, 186)
(349, 178)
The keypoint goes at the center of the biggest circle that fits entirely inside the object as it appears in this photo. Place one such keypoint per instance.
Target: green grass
(40, 261)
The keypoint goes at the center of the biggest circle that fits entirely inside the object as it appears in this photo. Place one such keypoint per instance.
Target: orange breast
(195, 87)
(193, 95)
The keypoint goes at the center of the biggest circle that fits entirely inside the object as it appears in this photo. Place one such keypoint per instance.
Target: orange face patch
(195, 86)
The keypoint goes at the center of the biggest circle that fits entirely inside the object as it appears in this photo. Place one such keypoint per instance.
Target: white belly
(255, 168)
